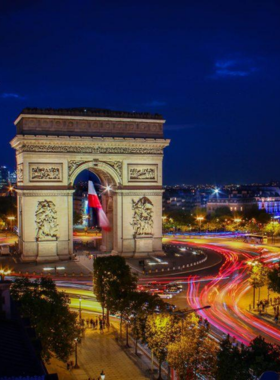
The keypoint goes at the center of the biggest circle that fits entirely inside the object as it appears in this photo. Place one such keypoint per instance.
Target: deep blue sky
(210, 67)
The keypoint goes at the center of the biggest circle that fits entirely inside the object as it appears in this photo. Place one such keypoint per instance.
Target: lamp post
(11, 219)
(102, 375)
(182, 314)
(200, 219)
(76, 366)
(80, 308)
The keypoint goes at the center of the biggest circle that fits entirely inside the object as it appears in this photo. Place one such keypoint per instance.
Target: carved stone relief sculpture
(46, 221)
(20, 173)
(45, 172)
(142, 220)
(142, 173)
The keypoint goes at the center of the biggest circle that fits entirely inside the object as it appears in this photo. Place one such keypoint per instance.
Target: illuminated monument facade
(125, 150)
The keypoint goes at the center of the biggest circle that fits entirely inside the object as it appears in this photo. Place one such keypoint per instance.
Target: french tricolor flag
(93, 201)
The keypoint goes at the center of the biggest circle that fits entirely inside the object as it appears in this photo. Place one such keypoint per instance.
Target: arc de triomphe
(125, 150)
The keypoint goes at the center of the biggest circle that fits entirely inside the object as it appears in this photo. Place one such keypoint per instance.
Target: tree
(258, 276)
(272, 229)
(143, 305)
(263, 356)
(161, 330)
(112, 282)
(194, 354)
(48, 311)
(273, 277)
(231, 362)
(77, 218)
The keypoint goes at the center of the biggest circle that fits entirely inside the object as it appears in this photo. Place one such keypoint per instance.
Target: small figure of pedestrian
(68, 366)
(276, 318)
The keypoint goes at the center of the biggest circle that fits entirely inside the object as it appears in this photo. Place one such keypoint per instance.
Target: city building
(180, 198)
(12, 177)
(234, 204)
(4, 176)
(241, 198)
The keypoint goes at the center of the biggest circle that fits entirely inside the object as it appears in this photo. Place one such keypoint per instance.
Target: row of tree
(179, 338)
(49, 315)
(252, 220)
(261, 275)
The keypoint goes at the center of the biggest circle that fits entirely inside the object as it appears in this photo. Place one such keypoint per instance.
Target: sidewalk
(98, 352)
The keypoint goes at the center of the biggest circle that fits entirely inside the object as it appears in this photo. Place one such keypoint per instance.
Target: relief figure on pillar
(142, 220)
(46, 221)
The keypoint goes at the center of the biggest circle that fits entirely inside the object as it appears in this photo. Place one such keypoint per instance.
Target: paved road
(228, 292)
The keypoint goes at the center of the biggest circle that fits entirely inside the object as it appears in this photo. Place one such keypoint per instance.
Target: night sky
(211, 68)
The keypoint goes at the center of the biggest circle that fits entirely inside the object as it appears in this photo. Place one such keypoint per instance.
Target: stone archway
(125, 150)
(109, 175)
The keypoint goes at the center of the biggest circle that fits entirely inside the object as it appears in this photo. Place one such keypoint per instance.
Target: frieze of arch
(90, 149)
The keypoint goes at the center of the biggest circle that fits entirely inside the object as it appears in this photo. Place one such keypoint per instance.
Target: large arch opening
(87, 234)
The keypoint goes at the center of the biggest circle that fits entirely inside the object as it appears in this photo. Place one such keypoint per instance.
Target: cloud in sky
(233, 68)
(11, 95)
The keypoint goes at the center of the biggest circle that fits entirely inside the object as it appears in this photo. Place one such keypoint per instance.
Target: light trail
(224, 293)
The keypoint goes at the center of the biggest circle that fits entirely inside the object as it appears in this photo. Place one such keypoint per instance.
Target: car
(165, 295)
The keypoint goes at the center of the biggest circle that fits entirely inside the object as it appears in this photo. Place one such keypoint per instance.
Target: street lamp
(11, 219)
(76, 366)
(200, 219)
(102, 375)
(3, 273)
(237, 220)
(80, 308)
(182, 313)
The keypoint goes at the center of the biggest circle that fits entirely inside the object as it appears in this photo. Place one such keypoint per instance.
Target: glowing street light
(237, 220)
(53, 268)
(216, 191)
(102, 375)
(4, 272)
(200, 219)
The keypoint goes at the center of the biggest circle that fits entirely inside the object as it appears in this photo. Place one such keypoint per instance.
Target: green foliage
(245, 363)
(177, 218)
(222, 213)
(231, 362)
(161, 330)
(274, 279)
(193, 354)
(113, 282)
(258, 274)
(48, 311)
(77, 218)
(272, 228)
(263, 356)
(141, 306)
(261, 216)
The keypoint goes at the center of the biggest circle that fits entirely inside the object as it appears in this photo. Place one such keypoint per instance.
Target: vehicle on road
(257, 239)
